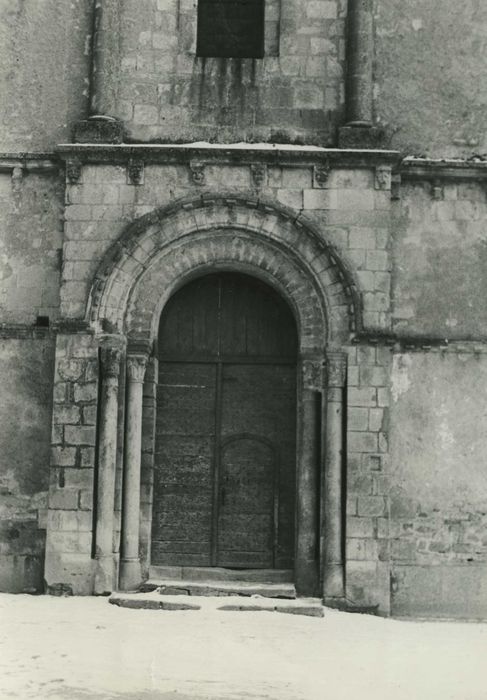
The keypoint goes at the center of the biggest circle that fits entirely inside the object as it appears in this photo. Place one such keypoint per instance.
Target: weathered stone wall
(156, 84)
(72, 474)
(351, 209)
(439, 486)
(430, 59)
(25, 414)
(44, 62)
(440, 260)
(368, 476)
(31, 231)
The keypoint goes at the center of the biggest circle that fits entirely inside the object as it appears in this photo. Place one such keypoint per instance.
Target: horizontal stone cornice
(421, 343)
(227, 154)
(422, 169)
(30, 162)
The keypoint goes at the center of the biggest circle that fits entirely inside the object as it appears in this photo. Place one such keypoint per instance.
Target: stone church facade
(242, 305)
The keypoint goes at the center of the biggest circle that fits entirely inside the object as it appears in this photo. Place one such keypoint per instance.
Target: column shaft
(107, 457)
(333, 497)
(360, 63)
(105, 63)
(306, 575)
(130, 572)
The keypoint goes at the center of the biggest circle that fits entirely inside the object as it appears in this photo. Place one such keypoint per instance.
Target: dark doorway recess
(225, 467)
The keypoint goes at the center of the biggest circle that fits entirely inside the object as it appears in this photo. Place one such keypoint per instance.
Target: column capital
(136, 366)
(336, 367)
(312, 373)
(110, 360)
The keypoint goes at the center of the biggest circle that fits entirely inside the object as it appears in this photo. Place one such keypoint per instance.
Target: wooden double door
(225, 464)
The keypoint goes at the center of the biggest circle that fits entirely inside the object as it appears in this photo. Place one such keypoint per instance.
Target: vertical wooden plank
(183, 464)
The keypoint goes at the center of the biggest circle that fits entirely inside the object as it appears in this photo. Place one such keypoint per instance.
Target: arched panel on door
(248, 494)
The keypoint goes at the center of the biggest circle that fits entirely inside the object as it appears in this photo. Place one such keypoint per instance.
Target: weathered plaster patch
(400, 375)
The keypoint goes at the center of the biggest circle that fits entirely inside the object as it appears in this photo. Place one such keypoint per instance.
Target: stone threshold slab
(311, 607)
(221, 588)
(213, 573)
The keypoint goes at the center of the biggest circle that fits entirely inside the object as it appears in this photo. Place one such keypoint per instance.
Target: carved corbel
(321, 173)
(437, 190)
(383, 177)
(197, 172)
(135, 172)
(73, 171)
(258, 172)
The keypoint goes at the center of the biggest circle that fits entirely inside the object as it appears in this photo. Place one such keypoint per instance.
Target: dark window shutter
(231, 28)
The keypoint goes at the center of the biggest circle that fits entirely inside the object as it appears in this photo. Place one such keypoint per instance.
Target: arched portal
(225, 457)
(158, 255)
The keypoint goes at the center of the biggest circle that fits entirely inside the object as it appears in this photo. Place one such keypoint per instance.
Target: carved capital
(336, 366)
(135, 172)
(259, 174)
(321, 174)
(110, 361)
(136, 366)
(197, 172)
(73, 170)
(383, 177)
(313, 374)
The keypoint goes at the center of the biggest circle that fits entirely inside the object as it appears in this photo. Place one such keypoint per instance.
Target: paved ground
(84, 648)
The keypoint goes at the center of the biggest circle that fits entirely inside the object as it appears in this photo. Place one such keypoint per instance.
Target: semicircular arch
(160, 251)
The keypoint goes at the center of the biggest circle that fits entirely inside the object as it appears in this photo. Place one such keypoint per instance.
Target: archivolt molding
(161, 250)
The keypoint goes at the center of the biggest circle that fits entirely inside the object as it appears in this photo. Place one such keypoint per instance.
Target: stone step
(222, 588)
(311, 607)
(215, 573)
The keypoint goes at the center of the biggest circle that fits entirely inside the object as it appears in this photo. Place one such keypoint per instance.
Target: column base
(130, 574)
(360, 136)
(333, 584)
(98, 129)
(345, 605)
(104, 582)
(306, 579)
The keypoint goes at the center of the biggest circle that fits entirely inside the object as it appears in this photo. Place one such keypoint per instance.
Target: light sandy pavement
(80, 648)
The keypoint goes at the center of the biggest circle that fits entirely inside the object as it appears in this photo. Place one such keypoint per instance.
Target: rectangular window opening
(230, 29)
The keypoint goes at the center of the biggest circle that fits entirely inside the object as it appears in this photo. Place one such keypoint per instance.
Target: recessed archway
(159, 254)
(225, 447)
